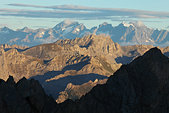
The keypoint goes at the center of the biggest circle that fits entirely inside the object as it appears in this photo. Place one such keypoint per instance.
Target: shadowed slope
(25, 96)
(139, 87)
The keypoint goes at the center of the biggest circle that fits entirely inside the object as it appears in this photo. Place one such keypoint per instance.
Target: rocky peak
(66, 24)
(154, 65)
(138, 87)
(105, 27)
(154, 55)
(154, 52)
(10, 81)
(5, 29)
(103, 24)
(148, 76)
(8, 47)
(25, 29)
(26, 96)
(137, 24)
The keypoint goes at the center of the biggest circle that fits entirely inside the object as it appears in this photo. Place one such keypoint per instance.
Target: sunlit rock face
(138, 87)
(69, 61)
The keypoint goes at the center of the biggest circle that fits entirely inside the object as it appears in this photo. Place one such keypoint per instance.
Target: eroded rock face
(75, 92)
(98, 54)
(138, 87)
(19, 65)
(57, 64)
(25, 96)
(41, 59)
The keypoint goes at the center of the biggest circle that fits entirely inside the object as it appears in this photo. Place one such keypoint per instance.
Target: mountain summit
(132, 33)
(137, 24)
(65, 24)
(139, 87)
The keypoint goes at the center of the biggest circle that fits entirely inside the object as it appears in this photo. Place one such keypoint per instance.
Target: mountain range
(69, 68)
(138, 87)
(132, 33)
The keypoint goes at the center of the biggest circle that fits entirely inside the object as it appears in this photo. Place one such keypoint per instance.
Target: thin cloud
(81, 12)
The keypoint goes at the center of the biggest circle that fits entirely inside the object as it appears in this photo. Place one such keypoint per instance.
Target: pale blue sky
(47, 13)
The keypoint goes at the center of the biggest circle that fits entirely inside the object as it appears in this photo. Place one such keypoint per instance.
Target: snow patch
(68, 22)
(147, 41)
(77, 29)
(137, 23)
(67, 30)
(126, 24)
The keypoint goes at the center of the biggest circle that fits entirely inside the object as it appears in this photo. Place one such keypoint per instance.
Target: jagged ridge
(138, 87)
(25, 96)
(124, 33)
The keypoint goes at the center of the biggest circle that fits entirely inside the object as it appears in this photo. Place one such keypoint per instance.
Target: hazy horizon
(46, 14)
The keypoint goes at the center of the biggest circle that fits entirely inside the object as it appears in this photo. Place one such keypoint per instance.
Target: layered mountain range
(69, 68)
(56, 65)
(125, 34)
(138, 87)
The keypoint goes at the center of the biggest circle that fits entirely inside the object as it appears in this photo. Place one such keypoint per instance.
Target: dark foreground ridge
(139, 87)
(25, 96)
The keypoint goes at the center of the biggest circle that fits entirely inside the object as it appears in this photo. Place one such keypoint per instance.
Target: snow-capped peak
(137, 23)
(104, 23)
(5, 30)
(126, 24)
(65, 24)
(68, 22)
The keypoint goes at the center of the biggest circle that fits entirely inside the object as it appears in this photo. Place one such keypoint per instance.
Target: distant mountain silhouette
(125, 34)
(68, 58)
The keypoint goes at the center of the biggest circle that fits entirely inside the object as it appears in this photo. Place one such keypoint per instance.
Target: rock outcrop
(14, 63)
(58, 64)
(139, 87)
(25, 96)
(75, 92)
(52, 64)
